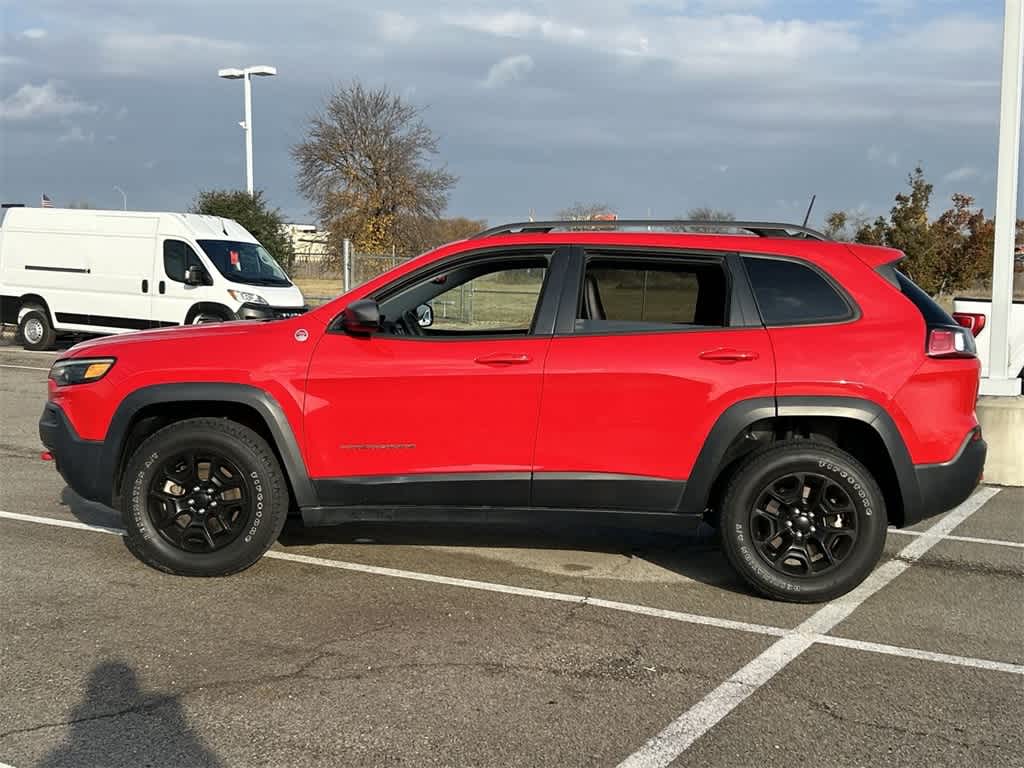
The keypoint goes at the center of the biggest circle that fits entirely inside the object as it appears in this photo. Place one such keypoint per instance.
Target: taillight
(950, 341)
(974, 322)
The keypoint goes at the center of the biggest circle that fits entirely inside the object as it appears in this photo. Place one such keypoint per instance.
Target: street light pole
(124, 197)
(248, 133)
(1001, 380)
(246, 75)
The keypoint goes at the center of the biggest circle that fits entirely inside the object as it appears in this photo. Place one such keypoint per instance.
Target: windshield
(244, 262)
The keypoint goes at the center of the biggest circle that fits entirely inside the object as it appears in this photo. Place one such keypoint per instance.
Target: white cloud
(395, 27)
(519, 24)
(508, 70)
(34, 102)
(961, 174)
(34, 33)
(131, 53)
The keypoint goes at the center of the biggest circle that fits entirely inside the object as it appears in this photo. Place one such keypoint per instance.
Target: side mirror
(361, 317)
(424, 316)
(195, 276)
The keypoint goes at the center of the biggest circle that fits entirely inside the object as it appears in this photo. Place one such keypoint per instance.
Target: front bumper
(80, 462)
(944, 486)
(267, 312)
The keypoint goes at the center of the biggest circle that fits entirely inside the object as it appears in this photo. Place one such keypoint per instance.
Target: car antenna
(807, 216)
(222, 227)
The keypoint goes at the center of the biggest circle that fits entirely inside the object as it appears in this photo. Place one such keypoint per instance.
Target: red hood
(221, 331)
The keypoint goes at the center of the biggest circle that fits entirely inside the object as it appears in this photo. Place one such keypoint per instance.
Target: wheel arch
(31, 301)
(148, 409)
(860, 427)
(208, 308)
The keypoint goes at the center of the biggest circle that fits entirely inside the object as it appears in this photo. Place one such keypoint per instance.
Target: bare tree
(705, 213)
(584, 212)
(365, 165)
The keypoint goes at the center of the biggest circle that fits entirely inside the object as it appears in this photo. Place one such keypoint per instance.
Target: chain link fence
(493, 300)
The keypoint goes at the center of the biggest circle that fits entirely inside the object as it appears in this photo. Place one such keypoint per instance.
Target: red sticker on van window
(234, 258)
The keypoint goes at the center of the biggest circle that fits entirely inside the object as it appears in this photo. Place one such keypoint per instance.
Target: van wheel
(803, 521)
(202, 318)
(203, 497)
(35, 331)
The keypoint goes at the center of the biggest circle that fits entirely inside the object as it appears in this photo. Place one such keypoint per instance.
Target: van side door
(174, 301)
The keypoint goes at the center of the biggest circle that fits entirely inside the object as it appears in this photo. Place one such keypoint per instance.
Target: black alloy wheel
(200, 502)
(803, 524)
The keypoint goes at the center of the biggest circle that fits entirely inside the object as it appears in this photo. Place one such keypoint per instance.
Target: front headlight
(80, 370)
(245, 297)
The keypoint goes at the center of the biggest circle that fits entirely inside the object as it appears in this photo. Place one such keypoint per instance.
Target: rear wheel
(203, 497)
(35, 331)
(803, 521)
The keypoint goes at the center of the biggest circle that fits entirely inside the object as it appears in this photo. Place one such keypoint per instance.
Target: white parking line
(682, 732)
(914, 653)
(967, 539)
(741, 626)
(24, 367)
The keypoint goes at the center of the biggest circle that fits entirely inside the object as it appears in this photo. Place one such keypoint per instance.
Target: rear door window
(789, 293)
(633, 294)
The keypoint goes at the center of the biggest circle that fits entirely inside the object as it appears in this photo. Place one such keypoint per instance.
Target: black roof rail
(758, 228)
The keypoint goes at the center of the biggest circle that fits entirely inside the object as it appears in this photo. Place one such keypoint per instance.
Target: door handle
(728, 355)
(145, 286)
(162, 287)
(503, 358)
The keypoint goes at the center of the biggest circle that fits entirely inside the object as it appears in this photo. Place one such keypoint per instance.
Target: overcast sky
(647, 105)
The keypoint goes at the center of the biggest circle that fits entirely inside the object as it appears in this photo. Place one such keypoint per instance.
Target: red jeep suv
(799, 394)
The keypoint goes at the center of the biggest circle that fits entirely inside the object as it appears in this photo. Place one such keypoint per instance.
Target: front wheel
(203, 497)
(35, 331)
(803, 521)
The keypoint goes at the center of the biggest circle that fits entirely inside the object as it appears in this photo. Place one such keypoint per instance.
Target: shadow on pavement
(696, 557)
(117, 724)
(88, 511)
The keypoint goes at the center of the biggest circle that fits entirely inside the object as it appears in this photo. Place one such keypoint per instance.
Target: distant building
(309, 243)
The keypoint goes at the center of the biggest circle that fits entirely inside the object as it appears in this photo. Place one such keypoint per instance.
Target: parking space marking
(24, 368)
(966, 539)
(914, 653)
(59, 524)
(681, 733)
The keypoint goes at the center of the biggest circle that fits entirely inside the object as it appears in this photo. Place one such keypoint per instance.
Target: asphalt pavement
(410, 646)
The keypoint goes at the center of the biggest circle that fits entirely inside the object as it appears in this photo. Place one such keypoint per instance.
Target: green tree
(254, 213)
(366, 166)
(944, 255)
(584, 212)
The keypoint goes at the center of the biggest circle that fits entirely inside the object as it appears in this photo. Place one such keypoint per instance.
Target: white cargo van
(98, 272)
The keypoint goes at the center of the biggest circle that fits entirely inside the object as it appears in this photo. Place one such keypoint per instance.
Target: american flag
(45, 202)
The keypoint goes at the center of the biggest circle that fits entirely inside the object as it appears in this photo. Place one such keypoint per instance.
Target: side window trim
(853, 309)
(191, 258)
(547, 301)
(583, 255)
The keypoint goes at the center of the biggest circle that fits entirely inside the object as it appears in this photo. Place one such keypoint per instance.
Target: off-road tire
(246, 450)
(794, 456)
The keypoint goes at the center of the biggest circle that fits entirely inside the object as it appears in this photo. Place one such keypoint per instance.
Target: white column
(248, 133)
(346, 257)
(1002, 381)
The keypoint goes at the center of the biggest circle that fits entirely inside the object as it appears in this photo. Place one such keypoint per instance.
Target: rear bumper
(80, 462)
(944, 486)
(267, 312)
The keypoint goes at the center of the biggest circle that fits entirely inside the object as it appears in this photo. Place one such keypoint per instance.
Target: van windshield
(244, 262)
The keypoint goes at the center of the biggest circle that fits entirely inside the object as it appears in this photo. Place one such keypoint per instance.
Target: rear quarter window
(789, 293)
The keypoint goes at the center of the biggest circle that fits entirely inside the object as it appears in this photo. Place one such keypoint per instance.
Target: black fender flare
(263, 403)
(735, 419)
(209, 308)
